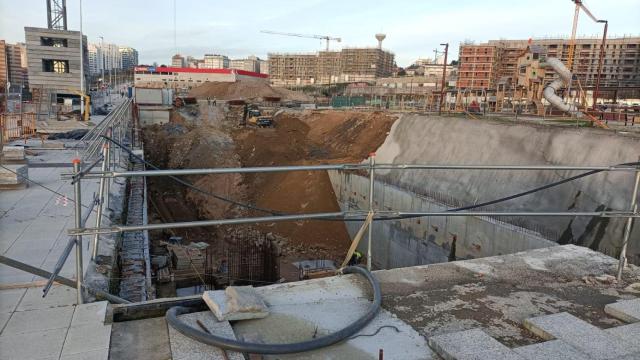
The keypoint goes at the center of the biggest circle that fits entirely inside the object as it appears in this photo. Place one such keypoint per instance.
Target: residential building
(249, 64)
(326, 67)
(16, 66)
(215, 61)
(483, 66)
(128, 57)
(178, 61)
(263, 66)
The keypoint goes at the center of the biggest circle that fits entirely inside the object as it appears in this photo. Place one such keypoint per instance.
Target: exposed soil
(309, 138)
(245, 89)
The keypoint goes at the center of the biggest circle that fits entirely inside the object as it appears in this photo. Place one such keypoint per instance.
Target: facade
(178, 60)
(215, 61)
(13, 70)
(128, 57)
(327, 67)
(54, 60)
(483, 66)
(263, 66)
(249, 64)
(95, 54)
(172, 77)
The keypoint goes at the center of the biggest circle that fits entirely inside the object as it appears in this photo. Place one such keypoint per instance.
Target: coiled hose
(256, 348)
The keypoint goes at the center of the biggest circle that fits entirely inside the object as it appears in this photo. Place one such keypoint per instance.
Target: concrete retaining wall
(401, 243)
(434, 140)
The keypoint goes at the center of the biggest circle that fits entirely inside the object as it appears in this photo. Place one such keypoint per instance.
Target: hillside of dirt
(245, 89)
(312, 138)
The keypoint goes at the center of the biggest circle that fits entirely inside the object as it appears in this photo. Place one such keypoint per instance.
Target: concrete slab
(9, 299)
(628, 333)
(38, 320)
(625, 310)
(91, 313)
(86, 338)
(146, 339)
(581, 335)
(470, 344)
(552, 349)
(89, 355)
(4, 318)
(58, 296)
(34, 345)
(183, 348)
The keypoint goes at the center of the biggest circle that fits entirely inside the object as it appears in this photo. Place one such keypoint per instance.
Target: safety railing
(367, 215)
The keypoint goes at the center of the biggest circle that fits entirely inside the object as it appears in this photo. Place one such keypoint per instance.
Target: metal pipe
(78, 218)
(60, 279)
(65, 253)
(627, 229)
(600, 62)
(444, 77)
(550, 92)
(372, 162)
(101, 197)
(334, 215)
(346, 167)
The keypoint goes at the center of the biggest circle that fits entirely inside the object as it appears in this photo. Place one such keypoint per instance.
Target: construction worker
(355, 258)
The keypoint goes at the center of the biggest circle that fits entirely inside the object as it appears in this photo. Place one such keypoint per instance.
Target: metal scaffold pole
(101, 198)
(627, 229)
(372, 163)
(78, 221)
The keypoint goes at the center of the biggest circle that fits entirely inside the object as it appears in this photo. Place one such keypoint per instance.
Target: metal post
(101, 198)
(82, 109)
(600, 60)
(372, 163)
(627, 229)
(444, 77)
(78, 218)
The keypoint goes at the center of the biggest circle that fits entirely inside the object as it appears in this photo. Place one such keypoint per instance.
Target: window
(55, 66)
(55, 42)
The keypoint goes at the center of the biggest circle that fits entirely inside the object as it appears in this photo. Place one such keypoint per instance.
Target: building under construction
(504, 67)
(330, 67)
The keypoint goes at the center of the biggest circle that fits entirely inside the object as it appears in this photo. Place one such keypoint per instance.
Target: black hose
(256, 348)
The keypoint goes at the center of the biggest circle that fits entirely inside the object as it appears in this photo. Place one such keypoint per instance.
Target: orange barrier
(18, 126)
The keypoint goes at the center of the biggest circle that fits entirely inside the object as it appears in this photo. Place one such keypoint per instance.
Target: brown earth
(311, 138)
(246, 90)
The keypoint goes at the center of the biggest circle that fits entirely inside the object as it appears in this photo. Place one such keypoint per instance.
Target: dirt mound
(245, 89)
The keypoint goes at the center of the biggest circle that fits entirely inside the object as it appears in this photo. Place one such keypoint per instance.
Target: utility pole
(82, 109)
(102, 66)
(600, 61)
(444, 77)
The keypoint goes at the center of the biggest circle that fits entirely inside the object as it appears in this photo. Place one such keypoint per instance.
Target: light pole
(444, 77)
(600, 61)
(102, 66)
(81, 66)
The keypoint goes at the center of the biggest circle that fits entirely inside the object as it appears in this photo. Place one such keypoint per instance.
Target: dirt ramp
(245, 89)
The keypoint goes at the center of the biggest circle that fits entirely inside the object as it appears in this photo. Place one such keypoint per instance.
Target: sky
(414, 28)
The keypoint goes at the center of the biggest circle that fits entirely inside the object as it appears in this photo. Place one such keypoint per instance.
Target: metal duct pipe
(549, 92)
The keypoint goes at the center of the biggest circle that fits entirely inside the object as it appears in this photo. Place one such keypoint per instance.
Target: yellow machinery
(87, 104)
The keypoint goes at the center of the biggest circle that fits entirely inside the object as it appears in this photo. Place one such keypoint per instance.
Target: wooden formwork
(18, 126)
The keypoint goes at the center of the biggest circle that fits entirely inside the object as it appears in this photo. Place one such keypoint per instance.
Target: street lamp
(600, 61)
(444, 76)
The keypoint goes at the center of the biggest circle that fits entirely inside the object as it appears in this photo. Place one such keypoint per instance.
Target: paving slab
(183, 348)
(552, 349)
(58, 296)
(34, 345)
(470, 344)
(86, 338)
(38, 320)
(9, 299)
(236, 303)
(625, 310)
(146, 339)
(628, 333)
(90, 313)
(583, 336)
(89, 355)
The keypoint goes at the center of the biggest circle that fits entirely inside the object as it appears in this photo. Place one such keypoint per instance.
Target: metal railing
(106, 174)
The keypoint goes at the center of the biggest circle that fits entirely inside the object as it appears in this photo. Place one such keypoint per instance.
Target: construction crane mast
(57, 14)
(321, 37)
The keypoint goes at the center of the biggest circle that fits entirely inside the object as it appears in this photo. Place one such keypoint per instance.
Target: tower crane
(321, 37)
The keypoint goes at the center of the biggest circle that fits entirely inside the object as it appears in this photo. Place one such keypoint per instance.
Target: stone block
(14, 175)
(236, 303)
(628, 333)
(553, 349)
(13, 153)
(91, 313)
(625, 310)
(594, 342)
(470, 344)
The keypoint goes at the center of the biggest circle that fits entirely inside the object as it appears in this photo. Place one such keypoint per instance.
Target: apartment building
(128, 57)
(327, 67)
(178, 61)
(13, 66)
(251, 63)
(483, 65)
(215, 61)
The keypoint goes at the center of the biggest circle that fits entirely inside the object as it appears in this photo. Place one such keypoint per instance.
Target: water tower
(380, 37)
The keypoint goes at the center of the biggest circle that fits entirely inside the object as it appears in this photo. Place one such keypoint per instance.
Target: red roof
(205, 71)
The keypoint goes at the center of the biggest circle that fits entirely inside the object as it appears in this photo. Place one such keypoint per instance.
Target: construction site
(226, 214)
